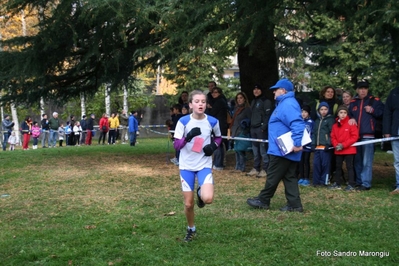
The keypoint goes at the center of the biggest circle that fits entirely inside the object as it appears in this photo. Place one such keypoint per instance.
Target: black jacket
(390, 124)
(90, 124)
(219, 111)
(261, 109)
(45, 125)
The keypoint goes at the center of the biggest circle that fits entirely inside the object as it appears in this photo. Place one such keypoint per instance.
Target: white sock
(192, 228)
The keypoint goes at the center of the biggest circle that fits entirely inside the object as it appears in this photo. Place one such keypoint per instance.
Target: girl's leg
(189, 207)
(187, 180)
(339, 159)
(351, 171)
(205, 182)
(306, 165)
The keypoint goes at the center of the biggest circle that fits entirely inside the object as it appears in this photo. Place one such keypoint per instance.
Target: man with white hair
(54, 124)
(7, 126)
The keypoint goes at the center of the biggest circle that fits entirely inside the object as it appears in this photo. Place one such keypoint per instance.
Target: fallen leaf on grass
(169, 214)
(88, 227)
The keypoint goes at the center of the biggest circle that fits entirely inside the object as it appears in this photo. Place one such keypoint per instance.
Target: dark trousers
(321, 167)
(111, 136)
(77, 140)
(102, 136)
(349, 167)
(304, 166)
(283, 169)
(6, 136)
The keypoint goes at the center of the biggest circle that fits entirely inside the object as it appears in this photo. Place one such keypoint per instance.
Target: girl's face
(240, 99)
(305, 114)
(346, 98)
(184, 111)
(342, 114)
(329, 94)
(198, 104)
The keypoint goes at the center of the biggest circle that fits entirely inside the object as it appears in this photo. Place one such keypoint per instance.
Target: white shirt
(191, 160)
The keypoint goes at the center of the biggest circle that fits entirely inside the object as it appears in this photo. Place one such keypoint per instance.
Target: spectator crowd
(335, 121)
(49, 132)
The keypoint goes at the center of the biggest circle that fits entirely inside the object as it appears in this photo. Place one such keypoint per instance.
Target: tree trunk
(107, 100)
(259, 64)
(41, 107)
(125, 96)
(16, 123)
(83, 104)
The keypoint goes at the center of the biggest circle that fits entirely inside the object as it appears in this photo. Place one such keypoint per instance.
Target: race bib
(198, 142)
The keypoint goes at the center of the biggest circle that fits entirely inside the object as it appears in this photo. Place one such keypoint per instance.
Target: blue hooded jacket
(286, 117)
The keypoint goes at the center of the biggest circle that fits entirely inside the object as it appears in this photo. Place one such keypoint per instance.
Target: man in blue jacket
(286, 117)
(391, 129)
(365, 110)
(133, 127)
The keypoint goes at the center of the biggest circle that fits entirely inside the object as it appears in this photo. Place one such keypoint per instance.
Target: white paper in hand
(286, 144)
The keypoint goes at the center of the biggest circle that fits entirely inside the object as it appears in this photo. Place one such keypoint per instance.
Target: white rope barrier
(359, 143)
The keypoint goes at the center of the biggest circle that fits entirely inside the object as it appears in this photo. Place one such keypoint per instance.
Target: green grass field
(122, 205)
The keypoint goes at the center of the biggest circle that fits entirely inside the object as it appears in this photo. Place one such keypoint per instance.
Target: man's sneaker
(305, 183)
(349, 188)
(190, 235)
(262, 173)
(256, 203)
(200, 202)
(253, 172)
(395, 192)
(173, 160)
(288, 208)
(362, 188)
(217, 168)
(334, 186)
(300, 181)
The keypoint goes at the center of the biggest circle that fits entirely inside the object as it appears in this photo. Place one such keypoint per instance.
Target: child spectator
(185, 110)
(68, 132)
(12, 140)
(193, 137)
(343, 135)
(321, 143)
(35, 134)
(304, 165)
(77, 130)
(61, 134)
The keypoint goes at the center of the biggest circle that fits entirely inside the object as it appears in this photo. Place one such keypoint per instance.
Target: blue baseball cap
(285, 84)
